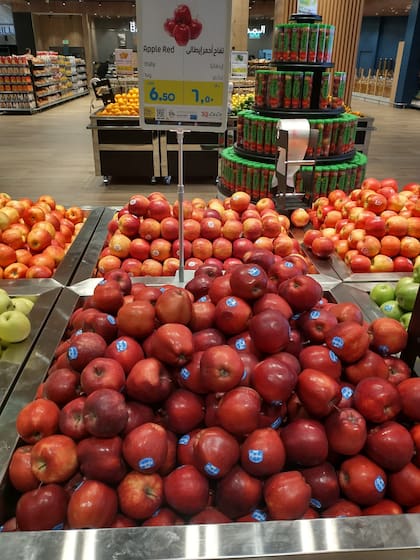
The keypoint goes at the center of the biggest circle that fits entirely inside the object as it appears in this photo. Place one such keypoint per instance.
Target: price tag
(184, 63)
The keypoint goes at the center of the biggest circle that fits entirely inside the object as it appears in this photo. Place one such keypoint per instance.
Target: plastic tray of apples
(88, 473)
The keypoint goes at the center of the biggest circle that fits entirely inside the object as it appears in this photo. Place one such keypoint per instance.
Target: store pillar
(347, 18)
(410, 64)
(240, 17)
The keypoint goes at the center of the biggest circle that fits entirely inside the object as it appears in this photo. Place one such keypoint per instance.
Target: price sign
(184, 63)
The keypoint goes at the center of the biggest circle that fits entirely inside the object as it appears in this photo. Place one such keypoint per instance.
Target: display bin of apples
(42, 240)
(23, 313)
(223, 419)
(370, 235)
(142, 238)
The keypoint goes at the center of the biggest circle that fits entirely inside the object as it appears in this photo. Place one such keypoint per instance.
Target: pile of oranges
(125, 104)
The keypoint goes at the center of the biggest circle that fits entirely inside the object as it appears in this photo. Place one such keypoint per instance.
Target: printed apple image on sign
(182, 27)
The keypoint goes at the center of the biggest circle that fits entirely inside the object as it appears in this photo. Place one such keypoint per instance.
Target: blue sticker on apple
(314, 314)
(254, 271)
(185, 373)
(102, 282)
(79, 331)
(156, 513)
(240, 344)
(72, 353)
(121, 345)
(79, 485)
(245, 373)
(379, 484)
(316, 503)
(231, 302)
(383, 349)
(277, 423)
(259, 515)
(289, 264)
(256, 456)
(184, 440)
(58, 527)
(337, 342)
(111, 320)
(333, 356)
(296, 316)
(202, 299)
(276, 403)
(146, 463)
(346, 392)
(1, 528)
(211, 469)
(387, 307)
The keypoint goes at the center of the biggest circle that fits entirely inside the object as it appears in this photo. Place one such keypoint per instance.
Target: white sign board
(307, 7)
(123, 62)
(184, 63)
(239, 65)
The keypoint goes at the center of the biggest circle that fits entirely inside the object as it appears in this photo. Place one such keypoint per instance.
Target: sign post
(184, 70)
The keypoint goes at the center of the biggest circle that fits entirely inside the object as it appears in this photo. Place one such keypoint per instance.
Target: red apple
(172, 343)
(390, 445)
(102, 373)
(238, 493)
(323, 481)
(362, 480)
(185, 411)
(305, 442)
(346, 431)
(274, 380)
(215, 452)
(37, 420)
(42, 509)
(145, 448)
(370, 365)
(349, 340)
(20, 471)
(105, 413)
(231, 314)
(287, 495)
(409, 391)
(186, 490)
(149, 381)
(54, 459)
(92, 505)
(321, 358)
(137, 318)
(71, 422)
(318, 392)
(377, 399)
(263, 453)
(388, 336)
(101, 459)
(221, 368)
(301, 292)
(239, 411)
(269, 331)
(126, 350)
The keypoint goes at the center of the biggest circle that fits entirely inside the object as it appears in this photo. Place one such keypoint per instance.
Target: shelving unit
(44, 81)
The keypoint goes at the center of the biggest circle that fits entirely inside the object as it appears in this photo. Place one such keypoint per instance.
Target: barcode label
(160, 113)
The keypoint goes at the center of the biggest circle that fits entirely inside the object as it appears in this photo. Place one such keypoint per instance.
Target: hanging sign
(184, 57)
(239, 64)
(307, 7)
(123, 61)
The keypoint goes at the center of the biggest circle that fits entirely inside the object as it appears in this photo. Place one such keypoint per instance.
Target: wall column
(240, 17)
(410, 63)
(347, 18)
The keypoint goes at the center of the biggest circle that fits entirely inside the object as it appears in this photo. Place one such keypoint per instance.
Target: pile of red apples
(373, 229)
(143, 237)
(236, 398)
(35, 235)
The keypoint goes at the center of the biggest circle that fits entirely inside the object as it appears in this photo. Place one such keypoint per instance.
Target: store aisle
(51, 152)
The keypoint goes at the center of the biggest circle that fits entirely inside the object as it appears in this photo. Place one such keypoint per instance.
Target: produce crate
(357, 538)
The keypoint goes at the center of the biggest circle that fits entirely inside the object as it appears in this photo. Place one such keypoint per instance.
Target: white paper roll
(299, 131)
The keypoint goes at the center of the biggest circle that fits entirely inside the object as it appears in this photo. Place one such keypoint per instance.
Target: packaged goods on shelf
(303, 42)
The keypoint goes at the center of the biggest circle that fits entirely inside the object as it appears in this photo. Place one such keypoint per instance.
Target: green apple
(382, 293)
(13, 353)
(402, 282)
(23, 304)
(14, 326)
(5, 301)
(416, 274)
(407, 296)
(392, 309)
(405, 319)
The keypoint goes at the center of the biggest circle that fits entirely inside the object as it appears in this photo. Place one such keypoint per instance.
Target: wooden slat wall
(239, 29)
(347, 18)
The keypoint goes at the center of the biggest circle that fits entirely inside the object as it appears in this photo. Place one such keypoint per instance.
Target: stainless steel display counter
(358, 538)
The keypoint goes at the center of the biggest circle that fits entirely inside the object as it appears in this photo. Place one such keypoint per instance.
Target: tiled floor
(51, 152)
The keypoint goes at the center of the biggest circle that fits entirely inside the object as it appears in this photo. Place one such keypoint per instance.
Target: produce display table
(122, 149)
(359, 538)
